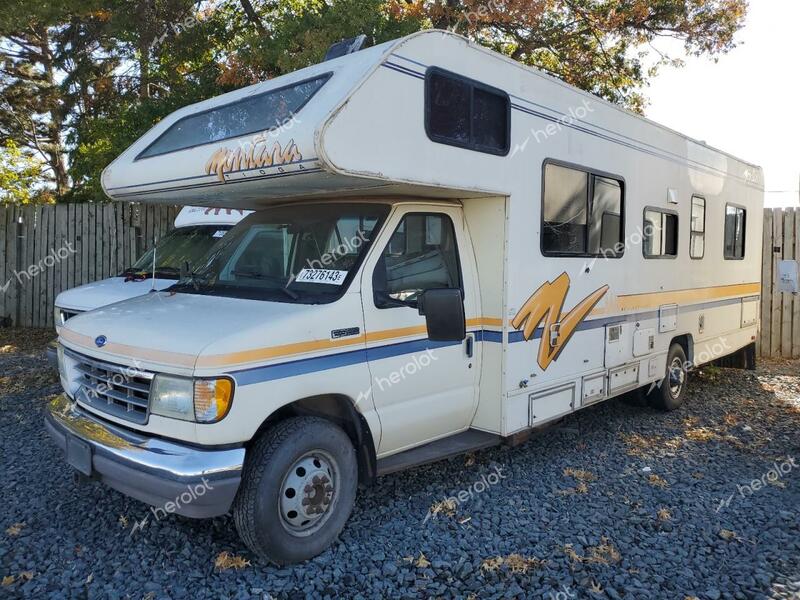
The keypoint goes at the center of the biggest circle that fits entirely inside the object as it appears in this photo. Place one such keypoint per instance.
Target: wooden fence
(47, 249)
(100, 240)
(780, 312)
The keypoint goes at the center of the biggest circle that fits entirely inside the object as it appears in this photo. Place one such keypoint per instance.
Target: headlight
(200, 400)
(212, 399)
(57, 317)
(172, 397)
(62, 370)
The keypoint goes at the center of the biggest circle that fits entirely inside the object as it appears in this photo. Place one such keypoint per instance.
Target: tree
(19, 173)
(300, 32)
(80, 80)
(596, 45)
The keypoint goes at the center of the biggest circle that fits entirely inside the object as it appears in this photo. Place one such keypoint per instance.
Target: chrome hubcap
(308, 492)
(677, 377)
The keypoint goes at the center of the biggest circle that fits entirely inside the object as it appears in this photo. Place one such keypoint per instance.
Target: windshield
(306, 253)
(174, 249)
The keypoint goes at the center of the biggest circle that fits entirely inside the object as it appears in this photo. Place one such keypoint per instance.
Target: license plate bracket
(79, 455)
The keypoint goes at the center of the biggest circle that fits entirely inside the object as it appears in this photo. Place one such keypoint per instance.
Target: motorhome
(449, 250)
(196, 229)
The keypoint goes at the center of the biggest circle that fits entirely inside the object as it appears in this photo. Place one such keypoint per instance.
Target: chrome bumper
(175, 478)
(51, 351)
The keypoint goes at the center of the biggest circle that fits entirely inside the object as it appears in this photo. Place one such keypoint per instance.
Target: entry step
(466, 441)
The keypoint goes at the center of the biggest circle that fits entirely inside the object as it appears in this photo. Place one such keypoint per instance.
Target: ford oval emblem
(100, 341)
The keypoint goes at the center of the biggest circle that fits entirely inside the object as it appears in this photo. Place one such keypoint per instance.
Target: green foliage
(19, 173)
(302, 30)
(80, 80)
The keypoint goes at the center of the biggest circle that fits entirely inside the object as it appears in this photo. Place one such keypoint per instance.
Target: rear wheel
(298, 489)
(670, 393)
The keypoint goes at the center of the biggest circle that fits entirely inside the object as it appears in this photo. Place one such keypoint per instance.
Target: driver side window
(421, 255)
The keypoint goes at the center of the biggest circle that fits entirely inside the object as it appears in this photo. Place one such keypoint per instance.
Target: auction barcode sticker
(329, 276)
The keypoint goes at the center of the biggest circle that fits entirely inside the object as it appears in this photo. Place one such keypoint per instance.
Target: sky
(748, 103)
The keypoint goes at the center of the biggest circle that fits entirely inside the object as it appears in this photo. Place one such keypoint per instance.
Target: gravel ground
(614, 502)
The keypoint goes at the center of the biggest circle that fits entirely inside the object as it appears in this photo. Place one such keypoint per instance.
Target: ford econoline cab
(448, 251)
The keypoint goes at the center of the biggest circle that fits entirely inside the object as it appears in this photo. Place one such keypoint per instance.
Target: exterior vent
(345, 47)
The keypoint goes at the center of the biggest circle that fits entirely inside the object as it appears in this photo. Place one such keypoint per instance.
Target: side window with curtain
(421, 255)
(735, 224)
(581, 213)
(660, 239)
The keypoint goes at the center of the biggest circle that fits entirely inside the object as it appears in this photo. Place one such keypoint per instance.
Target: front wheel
(298, 489)
(670, 393)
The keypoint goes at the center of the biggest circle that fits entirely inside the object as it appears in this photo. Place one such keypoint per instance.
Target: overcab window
(256, 113)
(581, 213)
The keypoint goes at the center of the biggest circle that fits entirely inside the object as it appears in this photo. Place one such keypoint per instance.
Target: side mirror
(444, 315)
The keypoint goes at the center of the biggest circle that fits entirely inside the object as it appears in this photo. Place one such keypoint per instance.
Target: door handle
(470, 345)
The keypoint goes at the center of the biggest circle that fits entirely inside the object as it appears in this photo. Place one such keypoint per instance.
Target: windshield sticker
(328, 276)
(252, 155)
(219, 233)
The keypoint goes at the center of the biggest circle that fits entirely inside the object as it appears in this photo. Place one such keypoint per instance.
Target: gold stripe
(624, 303)
(653, 300)
(257, 354)
(219, 360)
(156, 356)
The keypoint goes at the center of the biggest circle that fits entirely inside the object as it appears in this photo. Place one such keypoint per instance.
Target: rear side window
(581, 213)
(660, 239)
(735, 224)
(260, 112)
(466, 113)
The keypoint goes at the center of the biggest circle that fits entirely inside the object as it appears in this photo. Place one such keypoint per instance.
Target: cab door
(422, 390)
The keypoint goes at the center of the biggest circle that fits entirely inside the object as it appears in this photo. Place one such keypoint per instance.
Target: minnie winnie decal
(545, 305)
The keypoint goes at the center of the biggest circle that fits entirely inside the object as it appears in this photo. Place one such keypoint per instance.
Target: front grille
(118, 390)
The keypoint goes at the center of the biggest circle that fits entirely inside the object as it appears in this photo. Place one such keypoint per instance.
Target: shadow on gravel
(613, 502)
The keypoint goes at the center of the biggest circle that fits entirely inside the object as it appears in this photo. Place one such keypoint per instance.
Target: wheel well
(340, 410)
(687, 343)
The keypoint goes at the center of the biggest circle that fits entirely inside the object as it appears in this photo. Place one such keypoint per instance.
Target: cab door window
(421, 255)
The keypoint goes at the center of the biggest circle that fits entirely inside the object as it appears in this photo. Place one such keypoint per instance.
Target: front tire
(298, 490)
(670, 393)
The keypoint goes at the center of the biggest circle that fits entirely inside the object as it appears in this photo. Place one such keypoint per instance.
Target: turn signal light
(212, 399)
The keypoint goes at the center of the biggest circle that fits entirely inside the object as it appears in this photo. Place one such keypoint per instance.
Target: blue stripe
(487, 335)
(516, 336)
(564, 120)
(122, 187)
(216, 183)
(299, 367)
(403, 70)
(315, 364)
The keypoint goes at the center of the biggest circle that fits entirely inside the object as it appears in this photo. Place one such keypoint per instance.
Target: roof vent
(345, 47)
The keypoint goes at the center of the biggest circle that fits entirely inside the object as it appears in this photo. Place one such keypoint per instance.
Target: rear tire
(298, 490)
(670, 393)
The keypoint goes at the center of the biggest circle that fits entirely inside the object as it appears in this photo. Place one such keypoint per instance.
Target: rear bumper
(174, 478)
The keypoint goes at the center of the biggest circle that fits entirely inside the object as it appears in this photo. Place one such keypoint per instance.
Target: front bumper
(51, 351)
(174, 478)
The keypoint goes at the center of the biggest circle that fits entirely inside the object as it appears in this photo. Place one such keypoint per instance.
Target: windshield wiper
(131, 274)
(265, 277)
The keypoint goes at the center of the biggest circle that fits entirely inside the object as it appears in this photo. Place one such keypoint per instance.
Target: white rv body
(597, 326)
